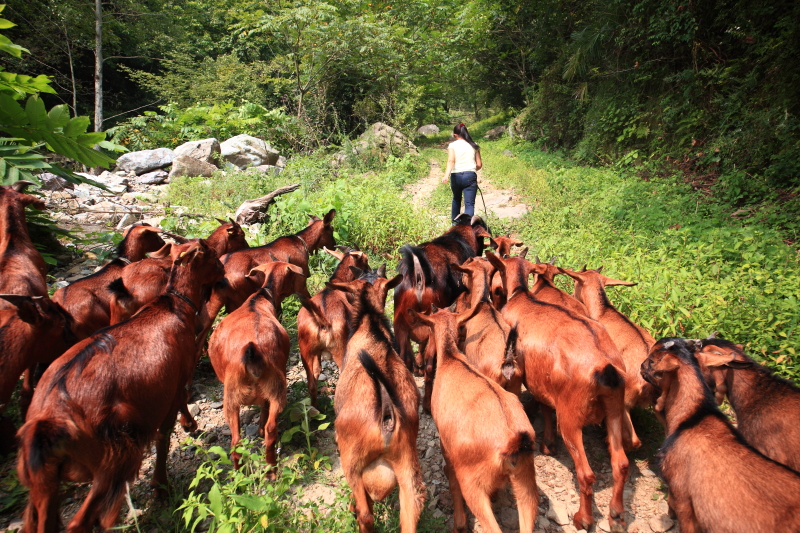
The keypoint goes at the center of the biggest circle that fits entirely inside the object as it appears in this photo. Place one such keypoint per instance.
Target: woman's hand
(444, 179)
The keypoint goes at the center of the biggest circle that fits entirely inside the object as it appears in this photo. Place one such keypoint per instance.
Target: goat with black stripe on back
(718, 482)
(376, 405)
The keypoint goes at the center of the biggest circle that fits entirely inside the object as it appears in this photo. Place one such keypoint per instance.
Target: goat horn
(434, 309)
(553, 260)
(271, 256)
(343, 249)
(233, 221)
(382, 270)
(536, 258)
(584, 267)
(713, 335)
(21, 185)
(177, 238)
(669, 344)
(599, 269)
(220, 220)
(475, 218)
(16, 299)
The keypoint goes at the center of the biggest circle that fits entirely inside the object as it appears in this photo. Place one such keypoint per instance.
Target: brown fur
(376, 406)
(544, 289)
(482, 338)
(717, 482)
(572, 366)
(36, 330)
(767, 407)
(487, 440)
(502, 247)
(632, 340)
(249, 350)
(323, 322)
(428, 279)
(22, 269)
(100, 404)
(143, 281)
(88, 300)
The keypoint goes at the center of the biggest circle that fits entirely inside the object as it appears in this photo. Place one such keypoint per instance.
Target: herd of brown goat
(97, 391)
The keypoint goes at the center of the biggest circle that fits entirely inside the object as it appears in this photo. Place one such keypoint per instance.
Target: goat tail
(253, 360)
(609, 377)
(387, 396)
(40, 440)
(316, 313)
(118, 289)
(411, 267)
(510, 354)
(520, 445)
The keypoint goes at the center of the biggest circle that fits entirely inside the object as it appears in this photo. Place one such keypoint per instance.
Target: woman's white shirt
(465, 156)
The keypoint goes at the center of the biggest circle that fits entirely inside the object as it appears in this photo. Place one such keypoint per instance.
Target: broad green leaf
(252, 503)
(58, 117)
(76, 126)
(70, 148)
(91, 139)
(5, 24)
(37, 115)
(11, 113)
(215, 500)
(323, 426)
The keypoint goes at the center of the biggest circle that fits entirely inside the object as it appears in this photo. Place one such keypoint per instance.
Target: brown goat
(718, 483)
(767, 407)
(632, 340)
(545, 290)
(236, 287)
(429, 280)
(22, 269)
(88, 300)
(36, 330)
(142, 282)
(487, 439)
(502, 247)
(99, 405)
(323, 322)
(485, 333)
(572, 366)
(376, 406)
(249, 351)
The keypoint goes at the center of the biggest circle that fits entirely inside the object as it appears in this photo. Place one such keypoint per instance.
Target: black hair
(461, 131)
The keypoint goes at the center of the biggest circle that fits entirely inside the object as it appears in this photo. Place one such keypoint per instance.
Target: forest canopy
(711, 86)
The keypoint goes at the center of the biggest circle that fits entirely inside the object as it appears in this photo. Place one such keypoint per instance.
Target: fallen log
(253, 211)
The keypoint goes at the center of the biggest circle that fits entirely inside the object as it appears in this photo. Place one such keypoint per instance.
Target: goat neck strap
(184, 298)
(125, 260)
(308, 252)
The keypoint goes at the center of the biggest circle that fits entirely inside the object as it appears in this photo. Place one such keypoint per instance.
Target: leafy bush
(176, 125)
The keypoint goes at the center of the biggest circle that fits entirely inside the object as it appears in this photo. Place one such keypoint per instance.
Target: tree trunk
(98, 65)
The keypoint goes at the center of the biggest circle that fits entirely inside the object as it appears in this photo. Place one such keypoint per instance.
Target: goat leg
(619, 464)
(362, 507)
(310, 356)
(549, 441)
(430, 374)
(159, 480)
(231, 410)
(412, 500)
(270, 433)
(523, 481)
(459, 512)
(572, 433)
(104, 499)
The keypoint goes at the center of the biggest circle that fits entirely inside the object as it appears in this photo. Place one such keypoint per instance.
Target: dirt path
(502, 203)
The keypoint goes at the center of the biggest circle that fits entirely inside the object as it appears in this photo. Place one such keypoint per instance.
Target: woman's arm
(451, 162)
(478, 161)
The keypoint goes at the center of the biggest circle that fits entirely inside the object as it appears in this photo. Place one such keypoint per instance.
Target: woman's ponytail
(461, 131)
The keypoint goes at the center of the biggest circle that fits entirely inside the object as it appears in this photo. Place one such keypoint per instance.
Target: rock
(281, 162)
(246, 151)
(508, 153)
(145, 160)
(126, 220)
(246, 417)
(216, 405)
(183, 165)
(495, 133)
(323, 377)
(428, 129)
(544, 523)
(194, 409)
(62, 195)
(509, 517)
(558, 513)
(429, 453)
(660, 524)
(206, 150)
(15, 525)
(438, 513)
(379, 141)
(51, 182)
(153, 178)
(269, 169)
(639, 526)
(646, 472)
(61, 284)
(603, 525)
(251, 430)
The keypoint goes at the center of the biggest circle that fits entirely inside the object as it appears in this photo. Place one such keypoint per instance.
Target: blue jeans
(466, 182)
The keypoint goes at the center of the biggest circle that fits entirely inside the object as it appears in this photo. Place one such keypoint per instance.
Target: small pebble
(660, 524)
(216, 405)
(647, 472)
(323, 377)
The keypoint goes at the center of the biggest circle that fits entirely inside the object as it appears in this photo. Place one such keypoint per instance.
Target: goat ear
(337, 255)
(357, 272)
(162, 252)
(21, 185)
(329, 216)
(177, 238)
(480, 232)
(496, 261)
(515, 242)
(27, 310)
(571, 273)
(611, 282)
(493, 244)
(314, 218)
(668, 363)
(185, 257)
(711, 359)
(394, 282)
(296, 269)
(419, 317)
(459, 268)
(345, 287)
(522, 253)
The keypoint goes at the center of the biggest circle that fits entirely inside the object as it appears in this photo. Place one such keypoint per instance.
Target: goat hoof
(582, 522)
(547, 450)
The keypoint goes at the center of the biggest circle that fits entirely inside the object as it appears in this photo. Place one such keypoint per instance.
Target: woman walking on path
(463, 160)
